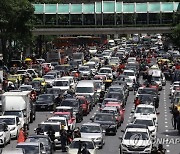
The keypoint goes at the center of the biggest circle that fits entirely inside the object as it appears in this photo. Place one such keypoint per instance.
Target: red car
(69, 116)
(120, 108)
(153, 84)
(85, 104)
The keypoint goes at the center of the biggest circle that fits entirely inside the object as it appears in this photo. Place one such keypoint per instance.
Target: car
(45, 102)
(33, 73)
(119, 96)
(54, 91)
(77, 108)
(74, 146)
(42, 81)
(130, 83)
(144, 110)
(62, 120)
(129, 144)
(62, 84)
(37, 87)
(5, 134)
(85, 72)
(175, 86)
(146, 99)
(118, 105)
(15, 78)
(114, 110)
(176, 103)
(69, 116)
(107, 121)
(26, 88)
(94, 132)
(56, 126)
(12, 151)
(32, 147)
(106, 71)
(92, 65)
(13, 124)
(149, 122)
(49, 79)
(44, 139)
(131, 74)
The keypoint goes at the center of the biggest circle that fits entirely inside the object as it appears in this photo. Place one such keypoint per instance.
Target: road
(165, 129)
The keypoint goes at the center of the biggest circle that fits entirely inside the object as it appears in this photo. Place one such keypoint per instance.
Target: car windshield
(76, 144)
(90, 129)
(67, 116)
(8, 121)
(148, 91)
(44, 98)
(16, 113)
(53, 91)
(48, 77)
(61, 83)
(131, 135)
(105, 71)
(63, 122)
(108, 111)
(71, 103)
(128, 80)
(29, 149)
(36, 84)
(84, 69)
(45, 127)
(143, 121)
(145, 110)
(45, 141)
(177, 101)
(115, 90)
(116, 96)
(145, 98)
(97, 85)
(103, 117)
(156, 78)
(129, 73)
(84, 89)
(25, 88)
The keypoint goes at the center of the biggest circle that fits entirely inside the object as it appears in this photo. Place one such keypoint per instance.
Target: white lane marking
(167, 135)
(167, 130)
(165, 115)
(166, 122)
(165, 118)
(97, 110)
(168, 151)
(166, 126)
(129, 117)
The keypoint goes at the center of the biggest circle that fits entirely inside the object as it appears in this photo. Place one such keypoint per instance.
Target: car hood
(134, 143)
(62, 87)
(43, 102)
(75, 151)
(108, 123)
(91, 135)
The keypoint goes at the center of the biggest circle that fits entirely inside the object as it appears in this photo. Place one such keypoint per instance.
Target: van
(87, 87)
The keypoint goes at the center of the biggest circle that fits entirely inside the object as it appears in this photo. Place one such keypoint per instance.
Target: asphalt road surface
(165, 133)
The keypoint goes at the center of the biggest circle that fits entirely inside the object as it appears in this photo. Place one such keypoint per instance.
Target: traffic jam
(87, 96)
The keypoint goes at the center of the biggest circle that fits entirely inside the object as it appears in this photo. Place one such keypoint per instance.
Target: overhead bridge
(99, 31)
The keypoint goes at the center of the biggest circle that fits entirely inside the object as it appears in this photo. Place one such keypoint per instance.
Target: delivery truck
(17, 103)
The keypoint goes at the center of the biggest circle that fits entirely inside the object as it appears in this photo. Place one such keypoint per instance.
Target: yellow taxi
(14, 78)
(42, 80)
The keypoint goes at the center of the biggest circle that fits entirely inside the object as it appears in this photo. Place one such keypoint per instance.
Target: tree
(16, 23)
(176, 35)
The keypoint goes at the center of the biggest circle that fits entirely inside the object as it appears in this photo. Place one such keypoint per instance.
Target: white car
(136, 140)
(173, 87)
(71, 81)
(148, 121)
(92, 66)
(5, 135)
(49, 79)
(13, 123)
(92, 50)
(74, 146)
(32, 72)
(129, 83)
(63, 84)
(94, 132)
(62, 120)
(144, 110)
(106, 71)
(130, 73)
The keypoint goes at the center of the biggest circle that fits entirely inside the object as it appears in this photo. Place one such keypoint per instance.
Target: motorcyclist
(51, 133)
(58, 99)
(33, 95)
(77, 133)
(63, 138)
(161, 150)
(85, 150)
(175, 115)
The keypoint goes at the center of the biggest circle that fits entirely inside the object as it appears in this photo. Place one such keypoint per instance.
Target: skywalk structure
(103, 17)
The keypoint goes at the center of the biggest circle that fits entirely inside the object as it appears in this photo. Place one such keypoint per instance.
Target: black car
(107, 121)
(119, 96)
(44, 139)
(45, 102)
(77, 108)
(146, 99)
(54, 91)
(154, 92)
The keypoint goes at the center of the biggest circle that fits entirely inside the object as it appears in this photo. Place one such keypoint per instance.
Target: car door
(7, 133)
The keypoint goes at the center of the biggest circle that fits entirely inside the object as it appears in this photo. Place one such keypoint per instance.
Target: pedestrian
(51, 133)
(178, 123)
(175, 115)
(21, 136)
(63, 138)
(161, 150)
(58, 100)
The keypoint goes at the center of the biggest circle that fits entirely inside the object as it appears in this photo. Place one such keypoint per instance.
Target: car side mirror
(157, 113)
(122, 131)
(104, 131)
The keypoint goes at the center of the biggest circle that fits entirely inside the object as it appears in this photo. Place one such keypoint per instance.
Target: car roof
(64, 107)
(58, 118)
(91, 124)
(29, 143)
(8, 116)
(110, 108)
(136, 130)
(145, 106)
(62, 113)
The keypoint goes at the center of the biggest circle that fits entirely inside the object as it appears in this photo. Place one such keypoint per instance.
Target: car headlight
(13, 128)
(99, 138)
(112, 126)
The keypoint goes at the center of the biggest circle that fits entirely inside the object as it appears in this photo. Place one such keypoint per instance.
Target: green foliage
(176, 35)
(16, 23)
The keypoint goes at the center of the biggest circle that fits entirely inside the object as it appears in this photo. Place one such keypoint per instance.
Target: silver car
(93, 131)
